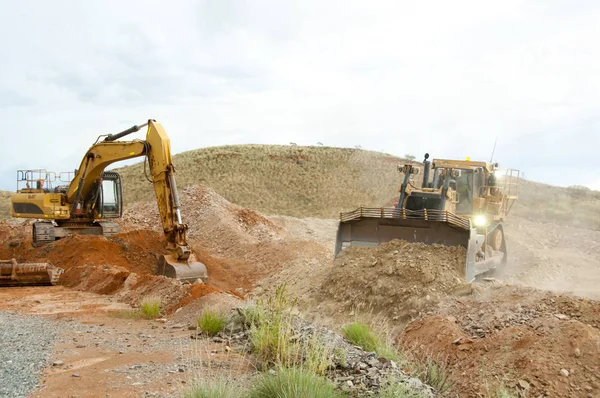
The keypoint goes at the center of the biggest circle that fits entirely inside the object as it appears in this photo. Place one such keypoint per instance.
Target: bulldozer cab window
(111, 202)
(464, 188)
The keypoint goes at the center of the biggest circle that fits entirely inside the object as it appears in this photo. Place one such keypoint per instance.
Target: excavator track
(43, 232)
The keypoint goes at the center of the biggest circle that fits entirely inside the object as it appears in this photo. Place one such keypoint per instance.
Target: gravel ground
(25, 346)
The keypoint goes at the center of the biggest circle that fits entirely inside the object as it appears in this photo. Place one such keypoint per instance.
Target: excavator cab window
(111, 196)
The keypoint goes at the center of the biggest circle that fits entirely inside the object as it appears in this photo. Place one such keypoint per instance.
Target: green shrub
(211, 322)
(219, 388)
(294, 383)
(150, 306)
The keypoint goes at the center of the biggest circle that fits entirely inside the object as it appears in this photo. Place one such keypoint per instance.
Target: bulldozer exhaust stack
(28, 274)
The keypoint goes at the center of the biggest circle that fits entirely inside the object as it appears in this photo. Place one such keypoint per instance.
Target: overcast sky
(445, 77)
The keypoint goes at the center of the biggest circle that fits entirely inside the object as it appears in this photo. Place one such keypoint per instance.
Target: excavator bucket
(374, 226)
(189, 270)
(29, 274)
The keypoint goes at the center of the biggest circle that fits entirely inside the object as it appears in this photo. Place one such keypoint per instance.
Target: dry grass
(151, 306)
(574, 207)
(284, 180)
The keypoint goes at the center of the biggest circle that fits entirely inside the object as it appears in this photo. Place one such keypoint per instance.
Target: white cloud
(407, 77)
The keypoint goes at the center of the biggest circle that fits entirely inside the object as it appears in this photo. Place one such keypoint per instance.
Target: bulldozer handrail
(393, 212)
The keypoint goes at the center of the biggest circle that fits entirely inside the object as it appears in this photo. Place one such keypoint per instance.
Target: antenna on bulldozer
(493, 150)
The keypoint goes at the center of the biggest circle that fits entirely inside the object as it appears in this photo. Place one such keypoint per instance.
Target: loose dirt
(522, 339)
(397, 279)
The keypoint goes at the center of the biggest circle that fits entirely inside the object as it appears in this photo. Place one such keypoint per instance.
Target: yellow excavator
(93, 197)
(464, 204)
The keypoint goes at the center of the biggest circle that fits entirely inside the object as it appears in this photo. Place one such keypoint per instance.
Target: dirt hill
(284, 180)
(322, 181)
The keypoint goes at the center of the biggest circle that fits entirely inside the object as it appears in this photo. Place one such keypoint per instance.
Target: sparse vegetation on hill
(323, 181)
(571, 206)
(285, 180)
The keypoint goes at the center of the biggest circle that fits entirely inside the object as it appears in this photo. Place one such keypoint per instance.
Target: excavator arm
(82, 193)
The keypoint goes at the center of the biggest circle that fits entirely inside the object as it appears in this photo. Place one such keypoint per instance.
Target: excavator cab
(110, 198)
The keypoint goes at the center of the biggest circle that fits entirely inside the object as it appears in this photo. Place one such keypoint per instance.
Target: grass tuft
(294, 383)
(150, 306)
(219, 388)
(432, 372)
(211, 322)
(361, 335)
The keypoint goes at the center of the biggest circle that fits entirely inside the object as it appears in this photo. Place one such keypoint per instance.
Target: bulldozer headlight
(480, 221)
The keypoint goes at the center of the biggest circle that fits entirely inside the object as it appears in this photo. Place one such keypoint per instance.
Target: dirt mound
(516, 338)
(239, 246)
(122, 264)
(397, 278)
(135, 251)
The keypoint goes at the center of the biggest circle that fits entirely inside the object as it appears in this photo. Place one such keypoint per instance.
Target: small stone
(394, 365)
(58, 363)
(561, 316)
(363, 365)
(178, 309)
(577, 352)
(564, 372)
(523, 384)
(588, 388)
(272, 372)
(181, 370)
(75, 375)
(349, 383)
(136, 366)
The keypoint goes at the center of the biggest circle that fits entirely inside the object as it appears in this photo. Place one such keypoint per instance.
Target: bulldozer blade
(28, 274)
(189, 270)
(372, 231)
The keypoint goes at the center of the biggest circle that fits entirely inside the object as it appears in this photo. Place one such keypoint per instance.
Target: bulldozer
(458, 203)
(88, 200)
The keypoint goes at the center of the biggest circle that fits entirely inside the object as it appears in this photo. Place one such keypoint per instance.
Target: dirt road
(99, 354)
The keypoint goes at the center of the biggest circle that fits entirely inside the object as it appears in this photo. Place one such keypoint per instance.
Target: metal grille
(392, 212)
